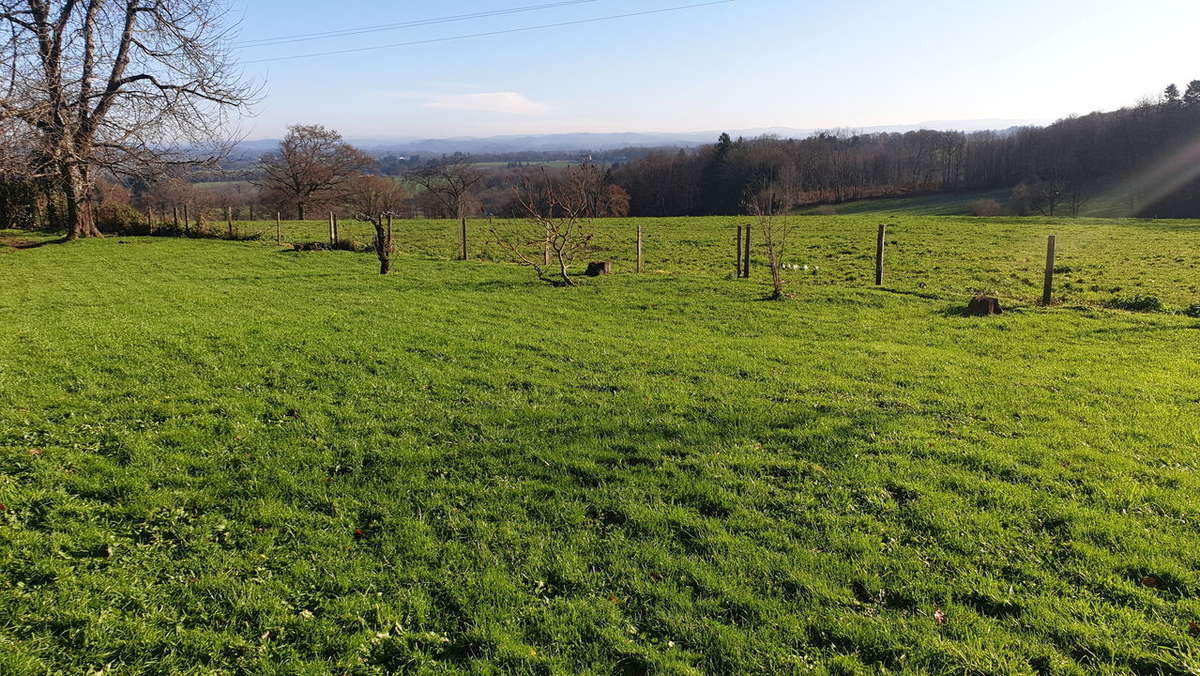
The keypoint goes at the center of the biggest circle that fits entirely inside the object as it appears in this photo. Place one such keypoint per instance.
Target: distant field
(224, 184)
(947, 204)
(557, 164)
(1099, 260)
(229, 457)
(1102, 202)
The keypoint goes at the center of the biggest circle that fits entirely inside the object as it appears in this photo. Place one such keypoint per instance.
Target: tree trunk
(383, 243)
(465, 254)
(776, 282)
(81, 221)
(300, 211)
(562, 270)
(776, 265)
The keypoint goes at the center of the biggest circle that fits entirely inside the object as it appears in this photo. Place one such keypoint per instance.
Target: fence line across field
(182, 220)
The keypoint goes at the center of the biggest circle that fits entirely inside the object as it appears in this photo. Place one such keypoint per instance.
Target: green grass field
(947, 257)
(1102, 201)
(940, 204)
(227, 457)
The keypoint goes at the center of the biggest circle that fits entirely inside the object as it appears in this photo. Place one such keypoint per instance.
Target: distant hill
(583, 142)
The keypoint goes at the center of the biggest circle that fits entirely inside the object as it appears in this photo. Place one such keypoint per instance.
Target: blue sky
(742, 64)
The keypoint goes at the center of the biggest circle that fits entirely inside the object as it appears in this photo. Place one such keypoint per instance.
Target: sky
(741, 64)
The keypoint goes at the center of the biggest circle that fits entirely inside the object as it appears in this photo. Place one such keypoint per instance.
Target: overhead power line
(507, 31)
(378, 28)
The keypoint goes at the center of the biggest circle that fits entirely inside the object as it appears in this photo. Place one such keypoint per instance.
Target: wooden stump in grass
(597, 268)
(984, 306)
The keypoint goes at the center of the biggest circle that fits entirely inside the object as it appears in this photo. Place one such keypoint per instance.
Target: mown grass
(221, 457)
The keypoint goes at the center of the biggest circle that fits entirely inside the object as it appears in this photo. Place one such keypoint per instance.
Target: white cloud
(510, 103)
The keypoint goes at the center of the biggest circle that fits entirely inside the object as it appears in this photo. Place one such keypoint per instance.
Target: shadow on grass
(927, 295)
(1153, 328)
(24, 244)
(962, 311)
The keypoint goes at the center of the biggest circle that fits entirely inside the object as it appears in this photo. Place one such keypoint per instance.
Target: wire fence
(1097, 261)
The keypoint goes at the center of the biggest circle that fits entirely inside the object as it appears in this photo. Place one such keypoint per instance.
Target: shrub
(1138, 303)
(116, 218)
(985, 208)
(1193, 311)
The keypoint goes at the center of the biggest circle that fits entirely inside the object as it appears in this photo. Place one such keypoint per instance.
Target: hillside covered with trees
(1148, 153)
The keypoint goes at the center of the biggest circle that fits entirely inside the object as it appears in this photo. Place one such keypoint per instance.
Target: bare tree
(451, 184)
(382, 243)
(1076, 199)
(557, 225)
(22, 196)
(124, 86)
(376, 195)
(1042, 196)
(776, 231)
(313, 166)
(376, 199)
(604, 198)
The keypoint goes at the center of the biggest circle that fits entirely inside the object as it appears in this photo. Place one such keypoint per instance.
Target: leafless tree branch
(126, 86)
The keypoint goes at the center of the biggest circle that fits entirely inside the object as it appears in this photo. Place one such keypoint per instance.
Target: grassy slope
(942, 204)
(1107, 201)
(654, 472)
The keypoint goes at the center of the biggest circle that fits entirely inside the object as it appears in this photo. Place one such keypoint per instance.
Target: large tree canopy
(313, 166)
(121, 86)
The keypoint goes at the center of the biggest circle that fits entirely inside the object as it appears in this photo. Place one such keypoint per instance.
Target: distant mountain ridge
(584, 142)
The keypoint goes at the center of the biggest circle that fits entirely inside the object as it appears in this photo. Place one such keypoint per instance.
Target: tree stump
(597, 268)
(984, 306)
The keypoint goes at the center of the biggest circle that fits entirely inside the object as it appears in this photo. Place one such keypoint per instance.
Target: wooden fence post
(175, 217)
(464, 238)
(278, 228)
(252, 212)
(880, 247)
(639, 248)
(746, 257)
(187, 219)
(229, 220)
(1048, 288)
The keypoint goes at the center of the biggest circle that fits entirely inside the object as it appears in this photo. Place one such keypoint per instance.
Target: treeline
(315, 172)
(1144, 155)
(1052, 170)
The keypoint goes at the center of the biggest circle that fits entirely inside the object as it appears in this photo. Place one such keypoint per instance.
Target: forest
(1148, 152)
